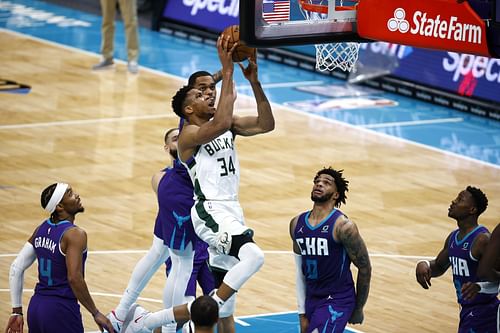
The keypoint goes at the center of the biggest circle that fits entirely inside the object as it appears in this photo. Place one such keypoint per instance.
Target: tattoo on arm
(358, 253)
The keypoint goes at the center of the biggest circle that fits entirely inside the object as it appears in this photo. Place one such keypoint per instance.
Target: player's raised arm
(197, 108)
(264, 121)
(348, 234)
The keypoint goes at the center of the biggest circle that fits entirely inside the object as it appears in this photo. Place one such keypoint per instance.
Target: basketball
(242, 51)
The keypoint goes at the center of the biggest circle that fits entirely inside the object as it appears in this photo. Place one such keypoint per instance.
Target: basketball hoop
(330, 55)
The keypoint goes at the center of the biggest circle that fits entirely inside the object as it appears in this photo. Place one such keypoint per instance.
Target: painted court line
(283, 84)
(374, 255)
(239, 320)
(414, 123)
(296, 111)
(84, 121)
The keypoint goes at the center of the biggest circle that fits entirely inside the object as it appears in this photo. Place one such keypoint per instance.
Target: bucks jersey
(325, 263)
(214, 170)
(464, 265)
(52, 272)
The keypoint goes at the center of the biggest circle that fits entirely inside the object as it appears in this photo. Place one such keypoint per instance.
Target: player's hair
(480, 199)
(204, 312)
(179, 99)
(168, 133)
(341, 183)
(47, 194)
(195, 75)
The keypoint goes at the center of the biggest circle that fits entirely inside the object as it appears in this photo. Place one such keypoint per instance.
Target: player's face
(206, 85)
(200, 104)
(324, 189)
(71, 202)
(462, 206)
(171, 143)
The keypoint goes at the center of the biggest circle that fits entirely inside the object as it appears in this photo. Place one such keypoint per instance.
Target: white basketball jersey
(215, 170)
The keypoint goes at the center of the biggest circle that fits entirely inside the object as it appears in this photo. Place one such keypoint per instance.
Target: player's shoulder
(345, 227)
(293, 224)
(75, 232)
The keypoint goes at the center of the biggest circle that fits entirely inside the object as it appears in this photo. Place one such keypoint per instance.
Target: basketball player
(61, 250)
(462, 250)
(204, 316)
(206, 147)
(325, 242)
(173, 238)
(488, 269)
(489, 265)
(206, 144)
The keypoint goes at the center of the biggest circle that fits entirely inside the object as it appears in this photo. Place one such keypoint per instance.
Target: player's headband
(56, 197)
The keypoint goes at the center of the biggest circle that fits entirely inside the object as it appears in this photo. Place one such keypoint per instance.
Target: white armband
(488, 287)
(24, 259)
(300, 284)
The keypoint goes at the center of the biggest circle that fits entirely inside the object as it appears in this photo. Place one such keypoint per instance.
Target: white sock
(251, 260)
(143, 271)
(216, 298)
(169, 328)
(159, 318)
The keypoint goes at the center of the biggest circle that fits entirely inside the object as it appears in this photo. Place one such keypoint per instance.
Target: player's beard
(320, 199)
(173, 153)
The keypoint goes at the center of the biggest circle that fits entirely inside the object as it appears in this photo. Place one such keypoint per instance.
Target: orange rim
(322, 9)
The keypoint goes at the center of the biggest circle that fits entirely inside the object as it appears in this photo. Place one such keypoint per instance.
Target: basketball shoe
(115, 322)
(104, 64)
(134, 323)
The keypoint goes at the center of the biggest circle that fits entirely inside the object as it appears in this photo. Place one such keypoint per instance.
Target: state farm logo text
(436, 27)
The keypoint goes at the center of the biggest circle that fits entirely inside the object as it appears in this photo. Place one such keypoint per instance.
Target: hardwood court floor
(102, 133)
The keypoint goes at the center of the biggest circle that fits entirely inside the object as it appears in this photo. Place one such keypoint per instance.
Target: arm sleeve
(300, 284)
(488, 287)
(24, 259)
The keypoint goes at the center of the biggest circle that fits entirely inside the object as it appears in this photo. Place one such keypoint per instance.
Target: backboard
(274, 23)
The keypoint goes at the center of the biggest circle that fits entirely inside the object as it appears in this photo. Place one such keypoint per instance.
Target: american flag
(276, 10)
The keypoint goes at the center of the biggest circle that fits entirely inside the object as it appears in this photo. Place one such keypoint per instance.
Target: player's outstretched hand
(15, 324)
(225, 54)
(250, 72)
(470, 290)
(357, 317)
(103, 323)
(423, 274)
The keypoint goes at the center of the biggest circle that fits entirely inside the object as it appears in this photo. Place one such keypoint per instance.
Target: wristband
(95, 314)
(15, 314)
(426, 261)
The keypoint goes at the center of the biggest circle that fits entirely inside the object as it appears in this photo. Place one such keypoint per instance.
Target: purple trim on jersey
(325, 263)
(464, 266)
(52, 271)
(175, 199)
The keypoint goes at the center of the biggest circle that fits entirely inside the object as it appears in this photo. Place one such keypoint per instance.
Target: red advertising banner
(435, 24)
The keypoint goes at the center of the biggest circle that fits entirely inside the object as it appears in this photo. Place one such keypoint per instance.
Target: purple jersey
(325, 263)
(464, 265)
(52, 272)
(175, 199)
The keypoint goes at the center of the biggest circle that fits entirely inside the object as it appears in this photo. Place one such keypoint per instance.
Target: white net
(336, 55)
(331, 55)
